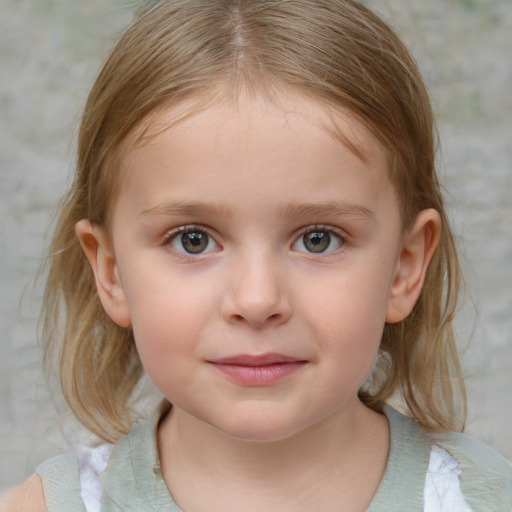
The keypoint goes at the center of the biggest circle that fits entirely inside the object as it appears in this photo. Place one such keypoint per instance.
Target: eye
(191, 241)
(318, 241)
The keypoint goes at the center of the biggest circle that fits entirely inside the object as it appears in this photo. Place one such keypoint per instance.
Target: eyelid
(323, 227)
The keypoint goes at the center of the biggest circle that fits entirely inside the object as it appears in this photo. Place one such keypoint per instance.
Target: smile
(261, 370)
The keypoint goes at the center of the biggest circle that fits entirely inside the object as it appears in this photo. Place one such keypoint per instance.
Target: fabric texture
(91, 464)
(425, 472)
(442, 485)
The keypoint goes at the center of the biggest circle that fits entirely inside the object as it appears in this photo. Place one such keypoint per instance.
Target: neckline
(134, 481)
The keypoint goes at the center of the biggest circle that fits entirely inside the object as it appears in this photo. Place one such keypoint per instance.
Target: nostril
(256, 310)
(257, 321)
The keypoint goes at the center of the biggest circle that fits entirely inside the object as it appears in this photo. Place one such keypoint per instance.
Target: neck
(328, 454)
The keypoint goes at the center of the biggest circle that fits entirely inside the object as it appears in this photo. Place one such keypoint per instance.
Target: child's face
(257, 259)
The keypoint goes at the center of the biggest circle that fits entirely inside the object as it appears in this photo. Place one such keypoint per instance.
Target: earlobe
(418, 248)
(95, 245)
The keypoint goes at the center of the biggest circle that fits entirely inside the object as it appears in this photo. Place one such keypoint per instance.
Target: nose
(257, 293)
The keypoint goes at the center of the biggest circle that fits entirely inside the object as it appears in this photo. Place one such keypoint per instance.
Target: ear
(96, 246)
(419, 245)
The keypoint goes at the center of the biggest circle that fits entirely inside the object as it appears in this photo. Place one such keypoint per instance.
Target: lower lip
(259, 375)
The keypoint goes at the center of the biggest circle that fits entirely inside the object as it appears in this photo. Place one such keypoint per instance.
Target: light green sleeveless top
(132, 480)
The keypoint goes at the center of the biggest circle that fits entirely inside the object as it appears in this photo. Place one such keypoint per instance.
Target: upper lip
(256, 360)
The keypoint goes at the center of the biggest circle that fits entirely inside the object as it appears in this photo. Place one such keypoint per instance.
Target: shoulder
(474, 452)
(486, 476)
(28, 497)
(60, 477)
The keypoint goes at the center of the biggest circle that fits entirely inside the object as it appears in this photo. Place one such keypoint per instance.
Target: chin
(259, 429)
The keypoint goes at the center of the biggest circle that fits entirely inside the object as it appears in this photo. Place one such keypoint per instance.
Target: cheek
(165, 342)
(350, 304)
(347, 316)
(167, 322)
(164, 300)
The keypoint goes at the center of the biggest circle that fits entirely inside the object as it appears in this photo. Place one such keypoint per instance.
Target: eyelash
(183, 230)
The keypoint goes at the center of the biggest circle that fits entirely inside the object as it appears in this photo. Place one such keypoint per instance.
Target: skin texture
(261, 185)
(28, 497)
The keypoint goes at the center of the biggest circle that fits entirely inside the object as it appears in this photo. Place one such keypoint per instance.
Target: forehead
(215, 110)
(251, 144)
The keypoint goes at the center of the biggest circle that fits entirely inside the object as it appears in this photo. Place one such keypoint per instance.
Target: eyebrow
(194, 208)
(330, 208)
(186, 208)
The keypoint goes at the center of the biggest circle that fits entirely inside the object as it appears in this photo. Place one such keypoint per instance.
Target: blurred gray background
(50, 52)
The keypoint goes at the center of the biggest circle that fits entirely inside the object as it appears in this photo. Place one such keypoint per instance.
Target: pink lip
(258, 370)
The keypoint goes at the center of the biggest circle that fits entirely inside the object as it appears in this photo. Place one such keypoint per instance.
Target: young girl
(257, 224)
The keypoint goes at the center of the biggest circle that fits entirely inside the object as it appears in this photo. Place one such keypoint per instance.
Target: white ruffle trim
(442, 487)
(92, 462)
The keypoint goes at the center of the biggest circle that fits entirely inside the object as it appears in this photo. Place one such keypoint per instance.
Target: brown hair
(335, 51)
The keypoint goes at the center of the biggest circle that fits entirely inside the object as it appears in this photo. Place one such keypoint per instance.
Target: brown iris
(194, 242)
(316, 241)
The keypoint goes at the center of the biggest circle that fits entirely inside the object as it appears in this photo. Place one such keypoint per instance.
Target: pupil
(317, 241)
(194, 242)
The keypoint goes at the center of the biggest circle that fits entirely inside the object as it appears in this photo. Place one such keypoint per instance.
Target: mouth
(258, 370)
